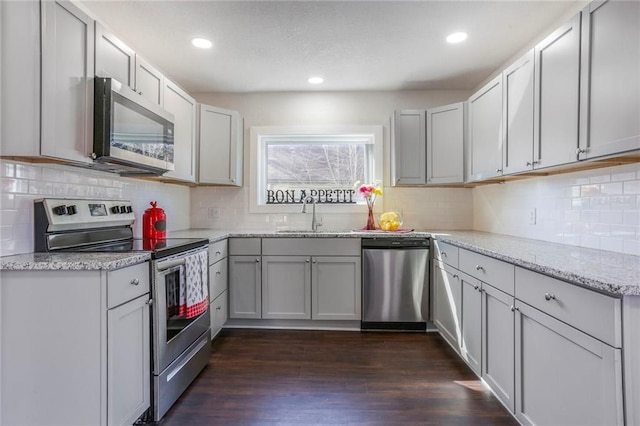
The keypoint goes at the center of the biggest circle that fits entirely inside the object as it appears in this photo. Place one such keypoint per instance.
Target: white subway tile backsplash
(632, 187)
(22, 183)
(612, 217)
(623, 176)
(614, 188)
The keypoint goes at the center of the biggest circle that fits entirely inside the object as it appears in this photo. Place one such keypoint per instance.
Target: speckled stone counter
(71, 261)
(613, 273)
(217, 235)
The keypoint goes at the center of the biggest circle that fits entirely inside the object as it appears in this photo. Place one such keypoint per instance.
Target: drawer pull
(149, 302)
(479, 268)
(443, 253)
(455, 275)
(218, 252)
(135, 281)
(549, 296)
(257, 260)
(513, 308)
(475, 287)
(306, 260)
(218, 272)
(218, 308)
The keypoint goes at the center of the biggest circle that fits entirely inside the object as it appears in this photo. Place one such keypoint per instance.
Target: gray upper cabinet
(610, 84)
(408, 148)
(445, 144)
(557, 75)
(67, 82)
(149, 81)
(221, 147)
(517, 108)
(183, 107)
(114, 58)
(47, 69)
(485, 132)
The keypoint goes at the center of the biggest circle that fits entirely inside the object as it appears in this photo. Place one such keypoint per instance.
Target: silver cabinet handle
(580, 151)
(498, 170)
(218, 252)
(513, 308)
(314, 261)
(444, 253)
(149, 302)
(455, 275)
(218, 272)
(479, 268)
(306, 260)
(529, 163)
(475, 287)
(257, 260)
(233, 180)
(549, 296)
(135, 281)
(218, 308)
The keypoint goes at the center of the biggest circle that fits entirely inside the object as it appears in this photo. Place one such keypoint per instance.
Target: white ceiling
(262, 46)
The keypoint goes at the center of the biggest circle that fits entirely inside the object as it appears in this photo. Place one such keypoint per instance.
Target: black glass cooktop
(158, 248)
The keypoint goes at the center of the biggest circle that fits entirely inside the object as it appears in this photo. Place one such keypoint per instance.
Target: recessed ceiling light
(456, 38)
(316, 80)
(202, 43)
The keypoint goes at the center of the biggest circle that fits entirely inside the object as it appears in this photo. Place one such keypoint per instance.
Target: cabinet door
(336, 288)
(445, 144)
(471, 324)
(149, 81)
(114, 58)
(408, 148)
(219, 309)
(564, 376)
(498, 346)
(485, 131)
(286, 287)
(67, 82)
(518, 115)
(447, 303)
(128, 361)
(221, 146)
(183, 107)
(245, 287)
(610, 94)
(557, 75)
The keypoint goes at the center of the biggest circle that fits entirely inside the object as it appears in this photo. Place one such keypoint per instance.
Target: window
(291, 163)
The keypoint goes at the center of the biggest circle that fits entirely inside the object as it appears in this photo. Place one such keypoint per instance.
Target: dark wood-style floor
(270, 377)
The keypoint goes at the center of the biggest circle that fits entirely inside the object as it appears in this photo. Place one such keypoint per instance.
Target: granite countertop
(217, 235)
(613, 273)
(71, 261)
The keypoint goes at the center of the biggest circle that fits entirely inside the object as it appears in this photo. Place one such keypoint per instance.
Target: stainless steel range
(180, 344)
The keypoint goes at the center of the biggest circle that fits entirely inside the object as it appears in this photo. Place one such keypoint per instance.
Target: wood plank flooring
(283, 377)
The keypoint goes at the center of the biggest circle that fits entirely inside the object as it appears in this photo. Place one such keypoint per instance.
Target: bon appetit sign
(324, 196)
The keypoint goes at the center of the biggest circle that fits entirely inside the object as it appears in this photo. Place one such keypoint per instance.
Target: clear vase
(371, 223)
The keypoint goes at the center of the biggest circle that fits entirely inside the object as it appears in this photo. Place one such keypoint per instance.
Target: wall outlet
(532, 216)
(214, 213)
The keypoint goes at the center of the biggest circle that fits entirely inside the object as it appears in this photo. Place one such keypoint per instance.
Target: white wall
(423, 208)
(597, 208)
(22, 183)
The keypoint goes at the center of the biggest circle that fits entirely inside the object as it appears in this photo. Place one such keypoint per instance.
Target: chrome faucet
(314, 223)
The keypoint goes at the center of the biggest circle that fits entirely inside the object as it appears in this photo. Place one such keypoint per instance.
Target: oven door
(173, 332)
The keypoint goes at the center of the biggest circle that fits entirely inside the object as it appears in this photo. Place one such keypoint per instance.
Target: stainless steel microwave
(131, 135)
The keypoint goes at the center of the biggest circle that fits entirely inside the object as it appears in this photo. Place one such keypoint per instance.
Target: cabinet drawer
(595, 314)
(311, 246)
(217, 251)
(127, 283)
(245, 246)
(491, 271)
(447, 253)
(219, 309)
(218, 278)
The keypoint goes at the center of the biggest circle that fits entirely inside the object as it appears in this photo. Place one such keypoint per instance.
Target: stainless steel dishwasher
(395, 283)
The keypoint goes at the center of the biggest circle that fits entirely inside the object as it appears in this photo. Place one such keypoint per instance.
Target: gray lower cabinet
(93, 367)
(564, 376)
(286, 287)
(218, 284)
(447, 294)
(336, 288)
(245, 287)
(498, 343)
(471, 324)
(219, 313)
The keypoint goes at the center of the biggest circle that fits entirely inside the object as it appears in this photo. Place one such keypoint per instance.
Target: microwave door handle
(169, 264)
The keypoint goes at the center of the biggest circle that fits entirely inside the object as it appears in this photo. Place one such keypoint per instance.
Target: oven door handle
(169, 264)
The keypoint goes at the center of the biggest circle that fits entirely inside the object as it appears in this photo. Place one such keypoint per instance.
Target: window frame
(257, 152)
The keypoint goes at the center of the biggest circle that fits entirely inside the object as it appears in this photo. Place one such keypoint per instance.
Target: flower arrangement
(369, 192)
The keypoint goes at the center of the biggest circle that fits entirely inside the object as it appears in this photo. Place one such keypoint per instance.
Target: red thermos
(154, 223)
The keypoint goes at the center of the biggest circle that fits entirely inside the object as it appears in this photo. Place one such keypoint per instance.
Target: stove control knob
(71, 210)
(129, 209)
(123, 209)
(115, 209)
(59, 210)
